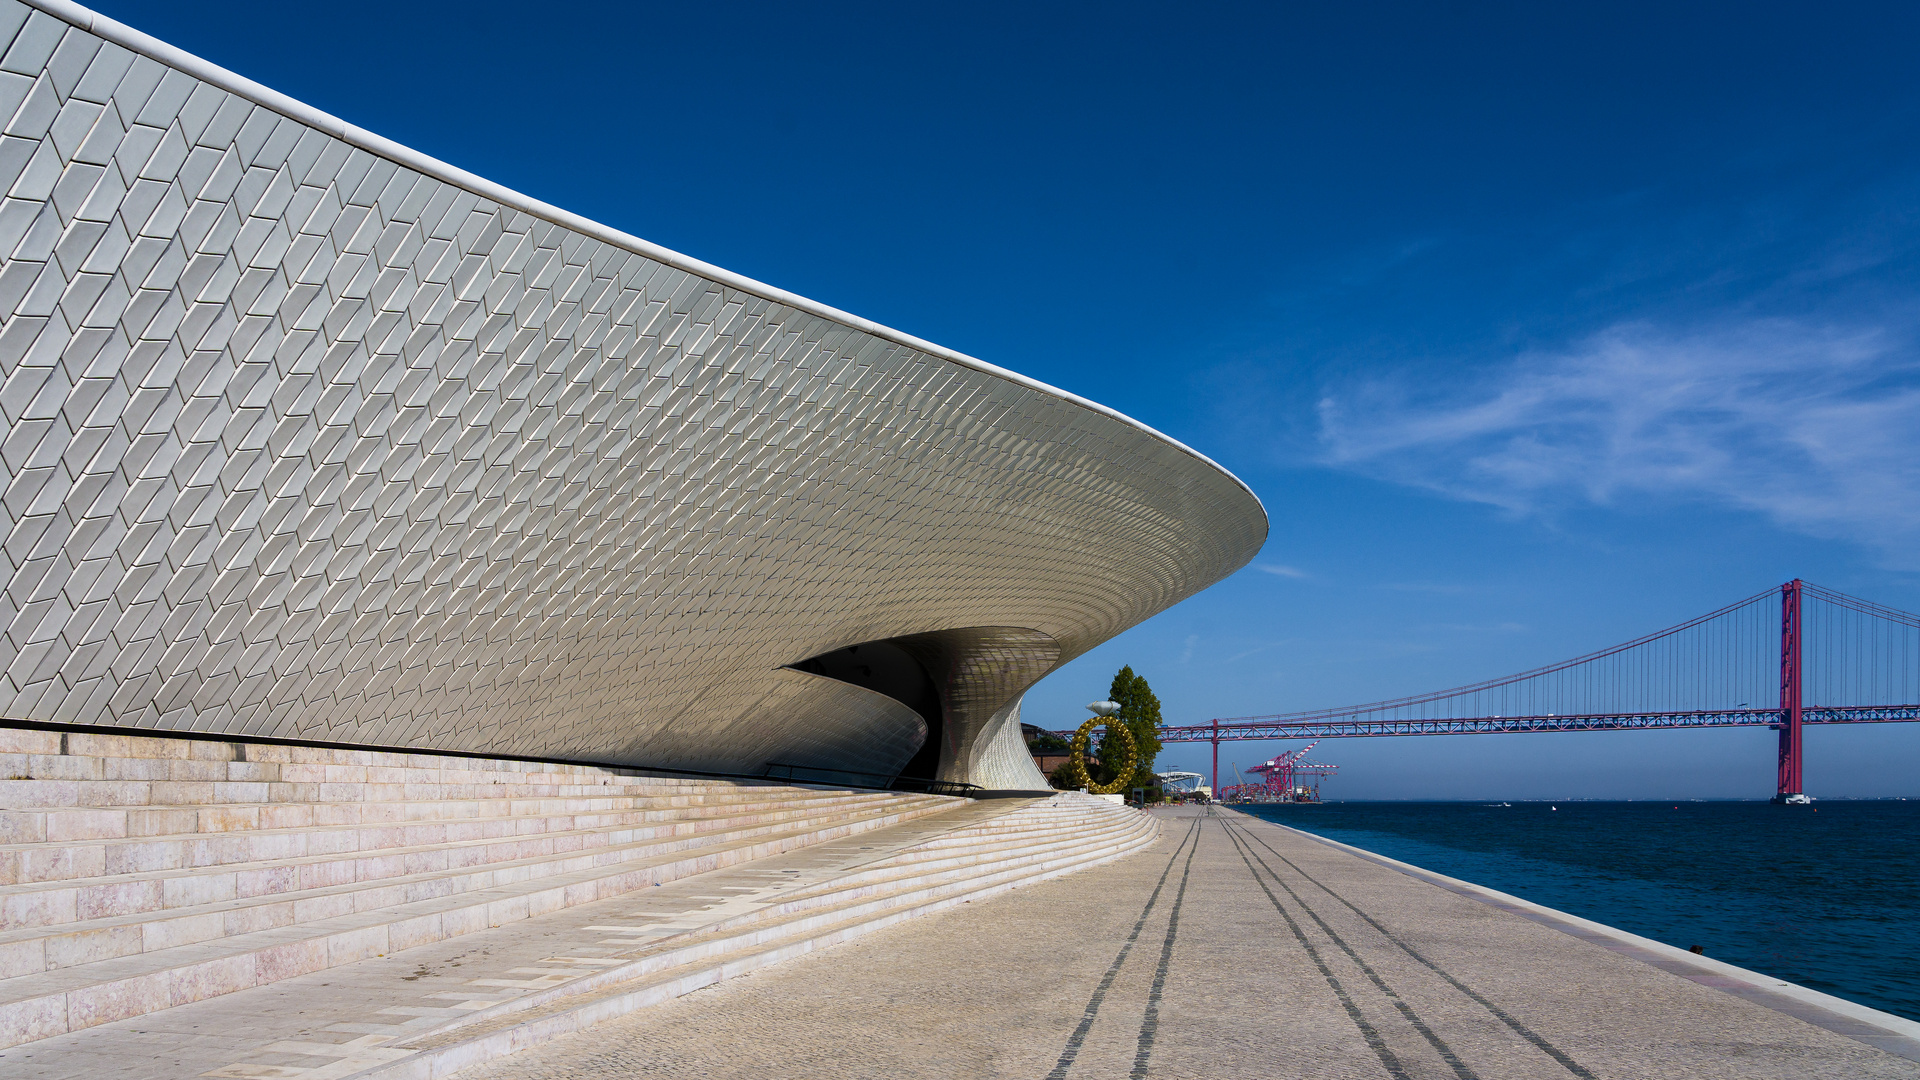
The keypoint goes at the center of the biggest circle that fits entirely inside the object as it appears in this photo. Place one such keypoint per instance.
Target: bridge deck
(1289, 958)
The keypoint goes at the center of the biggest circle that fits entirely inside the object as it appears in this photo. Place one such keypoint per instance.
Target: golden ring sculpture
(1077, 763)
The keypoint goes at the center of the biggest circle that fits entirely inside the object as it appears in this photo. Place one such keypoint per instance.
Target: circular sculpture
(1077, 772)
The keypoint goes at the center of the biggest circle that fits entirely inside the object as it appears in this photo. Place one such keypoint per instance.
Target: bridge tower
(1860, 666)
(1215, 779)
(1788, 790)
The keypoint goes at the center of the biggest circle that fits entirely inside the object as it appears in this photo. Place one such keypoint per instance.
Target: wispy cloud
(1283, 571)
(1423, 587)
(1817, 427)
(1255, 651)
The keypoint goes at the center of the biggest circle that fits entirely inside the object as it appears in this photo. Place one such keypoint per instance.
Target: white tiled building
(309, 436)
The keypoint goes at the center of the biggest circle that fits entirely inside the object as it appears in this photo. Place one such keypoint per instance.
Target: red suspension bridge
(1783, 659)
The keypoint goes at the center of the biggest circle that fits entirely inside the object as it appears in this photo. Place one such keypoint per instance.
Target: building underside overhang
(311, 436)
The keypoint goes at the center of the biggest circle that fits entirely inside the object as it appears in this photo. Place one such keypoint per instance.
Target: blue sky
(1536, 327)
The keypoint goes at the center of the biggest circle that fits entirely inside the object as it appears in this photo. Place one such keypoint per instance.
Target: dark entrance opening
(886, 668)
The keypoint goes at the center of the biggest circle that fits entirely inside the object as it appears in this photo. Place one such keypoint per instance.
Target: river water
(1825, 896)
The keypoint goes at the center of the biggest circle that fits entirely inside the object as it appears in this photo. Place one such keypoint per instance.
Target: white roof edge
(126, 36)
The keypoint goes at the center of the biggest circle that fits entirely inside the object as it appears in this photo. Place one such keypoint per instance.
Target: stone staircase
(139, 874)
(970, 862)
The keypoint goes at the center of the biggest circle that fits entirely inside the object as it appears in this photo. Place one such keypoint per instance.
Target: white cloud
(1283, 571)
(1424, 587)
(1256, 650)
(1816, 427)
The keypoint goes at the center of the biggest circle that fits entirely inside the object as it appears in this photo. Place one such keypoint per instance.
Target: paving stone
(113, 904)
(1000, 988)
(399, 1007)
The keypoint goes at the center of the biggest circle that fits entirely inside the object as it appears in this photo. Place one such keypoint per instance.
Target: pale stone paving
(1440, 986)
(139, 874)
(336, 1022)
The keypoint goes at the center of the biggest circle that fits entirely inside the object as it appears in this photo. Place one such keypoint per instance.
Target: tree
(1061, 778)
(1046, 740)
(1140, 710)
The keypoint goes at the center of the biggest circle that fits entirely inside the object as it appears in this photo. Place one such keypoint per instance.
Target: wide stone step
(37, 1005)
(1006, 840)
(878, 891)
(1038, 825)
(674, 967)
(854, 899)
(247, 866)
(50, 944)
(21, 864)
(963, 859)
(26, 772)
(64, 825)
(82, 755)
(966, 862)
(197, 793)
(957, 860)
(98, 770)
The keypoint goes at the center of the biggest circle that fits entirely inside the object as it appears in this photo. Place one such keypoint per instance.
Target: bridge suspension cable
(1795, 654)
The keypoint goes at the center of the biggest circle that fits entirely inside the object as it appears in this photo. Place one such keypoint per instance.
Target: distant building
(1180, 783)
(1046, 758)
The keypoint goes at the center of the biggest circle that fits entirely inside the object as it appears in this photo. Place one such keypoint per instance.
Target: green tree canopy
(1046, 740)
(1140, 709)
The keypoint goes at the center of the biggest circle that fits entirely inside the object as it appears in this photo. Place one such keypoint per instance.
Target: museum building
(308, 436)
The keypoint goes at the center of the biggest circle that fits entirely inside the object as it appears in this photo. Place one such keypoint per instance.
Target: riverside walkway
(1237, 948)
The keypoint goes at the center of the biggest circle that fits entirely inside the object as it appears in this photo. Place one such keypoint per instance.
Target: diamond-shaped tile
(341, 450)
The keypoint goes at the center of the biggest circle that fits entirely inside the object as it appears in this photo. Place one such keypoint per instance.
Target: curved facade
(310, 436)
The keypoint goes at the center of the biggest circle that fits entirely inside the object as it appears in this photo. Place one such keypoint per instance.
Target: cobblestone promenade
(1232, 948)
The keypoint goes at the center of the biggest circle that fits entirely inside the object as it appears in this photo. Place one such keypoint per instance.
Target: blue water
(1826, 897)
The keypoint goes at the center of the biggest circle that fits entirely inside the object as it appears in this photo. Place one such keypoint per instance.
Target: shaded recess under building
(964, 685)
(310, 436)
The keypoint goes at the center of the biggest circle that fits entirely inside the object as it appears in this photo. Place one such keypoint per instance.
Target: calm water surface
(1827, 896)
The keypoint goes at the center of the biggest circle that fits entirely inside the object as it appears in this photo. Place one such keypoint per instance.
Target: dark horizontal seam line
(1500, 1014)
(1546, 1047)
(1149, 1023)
(1367, 1031)
(1440, 1045)
(1079, 1035)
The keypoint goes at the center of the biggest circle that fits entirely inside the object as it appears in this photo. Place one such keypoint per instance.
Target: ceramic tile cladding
(304, 442)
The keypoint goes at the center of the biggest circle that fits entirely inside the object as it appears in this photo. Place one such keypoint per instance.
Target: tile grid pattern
(301, 442)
